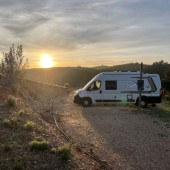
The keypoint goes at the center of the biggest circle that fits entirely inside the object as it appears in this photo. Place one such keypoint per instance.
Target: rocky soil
(123, 136)
(120, 136)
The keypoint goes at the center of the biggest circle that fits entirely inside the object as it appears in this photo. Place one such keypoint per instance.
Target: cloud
(24, 24)
(74, 25)
(21, 16)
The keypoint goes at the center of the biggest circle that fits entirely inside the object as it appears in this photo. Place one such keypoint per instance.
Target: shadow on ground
(135, 139)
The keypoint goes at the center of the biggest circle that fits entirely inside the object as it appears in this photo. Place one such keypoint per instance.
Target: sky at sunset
(87, 32)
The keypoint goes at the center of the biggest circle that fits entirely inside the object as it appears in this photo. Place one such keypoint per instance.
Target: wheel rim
(86, 103)
(143, 103)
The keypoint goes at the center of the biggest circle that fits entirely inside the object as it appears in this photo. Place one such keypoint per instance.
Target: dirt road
(120, 135)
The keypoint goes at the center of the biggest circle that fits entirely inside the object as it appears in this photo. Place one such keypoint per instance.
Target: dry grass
(39, 144)
(10, 101)
(64, 152)
(29, 125)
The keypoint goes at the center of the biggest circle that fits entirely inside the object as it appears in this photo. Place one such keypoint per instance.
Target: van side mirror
(88, 89)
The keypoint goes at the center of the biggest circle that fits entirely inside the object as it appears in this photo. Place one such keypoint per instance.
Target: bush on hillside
(39, 144)
(13, 65)
(167, 98)
(29, 125)
(67, 85)
(64, 152)
(10, 101)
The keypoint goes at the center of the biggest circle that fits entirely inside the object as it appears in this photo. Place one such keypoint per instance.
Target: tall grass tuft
(29, 125)
(10, 101)
(64, 152)
(39, 144)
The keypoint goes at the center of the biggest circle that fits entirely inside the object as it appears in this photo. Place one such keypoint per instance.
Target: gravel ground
(122, 136)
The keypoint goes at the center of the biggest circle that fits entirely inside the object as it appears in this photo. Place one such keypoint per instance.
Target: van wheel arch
(143, 101)
(86, 101)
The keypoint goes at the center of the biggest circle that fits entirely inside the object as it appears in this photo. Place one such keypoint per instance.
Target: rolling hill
(79, 76)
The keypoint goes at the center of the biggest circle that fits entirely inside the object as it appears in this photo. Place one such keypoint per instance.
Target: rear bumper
(155, 99)
(77, 99)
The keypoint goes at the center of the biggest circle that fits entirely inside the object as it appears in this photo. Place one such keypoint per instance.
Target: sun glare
(46, 61)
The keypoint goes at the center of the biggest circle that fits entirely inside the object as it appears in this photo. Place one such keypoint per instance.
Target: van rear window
(111, 85)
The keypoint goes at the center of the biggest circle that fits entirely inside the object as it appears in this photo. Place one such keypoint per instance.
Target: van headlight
(77, 92)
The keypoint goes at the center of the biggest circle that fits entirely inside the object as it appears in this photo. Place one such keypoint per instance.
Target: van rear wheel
(143, 103)
(86, 102)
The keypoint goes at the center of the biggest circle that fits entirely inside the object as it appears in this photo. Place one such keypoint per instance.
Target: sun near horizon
(46, 61)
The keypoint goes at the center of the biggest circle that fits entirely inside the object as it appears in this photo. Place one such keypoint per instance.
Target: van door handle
(100, 91)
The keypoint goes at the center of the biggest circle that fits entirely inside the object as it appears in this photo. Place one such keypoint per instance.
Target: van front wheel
(86, 102)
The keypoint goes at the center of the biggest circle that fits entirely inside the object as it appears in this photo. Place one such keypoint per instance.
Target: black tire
(143, 103)
(86, 102)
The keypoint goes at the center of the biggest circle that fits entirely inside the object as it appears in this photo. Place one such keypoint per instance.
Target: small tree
(167, 75)
(13, 65)
(167, 81)
(167, 97)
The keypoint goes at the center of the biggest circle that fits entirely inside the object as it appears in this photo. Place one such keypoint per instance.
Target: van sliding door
(110, 91)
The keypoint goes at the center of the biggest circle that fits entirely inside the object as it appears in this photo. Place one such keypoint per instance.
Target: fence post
(140, 87)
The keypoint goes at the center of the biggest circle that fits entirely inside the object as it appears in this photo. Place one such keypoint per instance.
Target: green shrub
(64, 152)
(29, 125)
(167, 97)
(7, 148)
(10, 101)
(39, 145)
(10, 122)
(19, 165)
(21, 113)
(54, 150)
(15, 120)
(67, 85)
(39, 138)
(7, 122)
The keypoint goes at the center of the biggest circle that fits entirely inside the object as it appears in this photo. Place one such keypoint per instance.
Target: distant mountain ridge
(77, 76)
(123, 67)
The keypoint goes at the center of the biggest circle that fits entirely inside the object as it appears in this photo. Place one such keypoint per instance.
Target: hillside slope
(79, 76)
(29, 138)
(73, 75)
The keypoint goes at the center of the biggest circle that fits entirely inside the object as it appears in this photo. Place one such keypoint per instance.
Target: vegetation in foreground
(161, 111)
(12, 66)
(29, 125)
(10, 101)
(19, 142)
(39, 144)
(64, 152)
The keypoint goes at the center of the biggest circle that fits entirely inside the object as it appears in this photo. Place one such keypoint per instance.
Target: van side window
(94, 86)
(152, 84)
(111, 85)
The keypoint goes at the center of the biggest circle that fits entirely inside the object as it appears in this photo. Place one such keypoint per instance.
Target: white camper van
(110, 87)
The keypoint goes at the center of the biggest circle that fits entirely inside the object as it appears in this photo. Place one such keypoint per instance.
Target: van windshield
(90, 82)
(94, 86)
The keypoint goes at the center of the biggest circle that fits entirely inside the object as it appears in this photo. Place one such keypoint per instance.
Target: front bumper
(77, 99)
